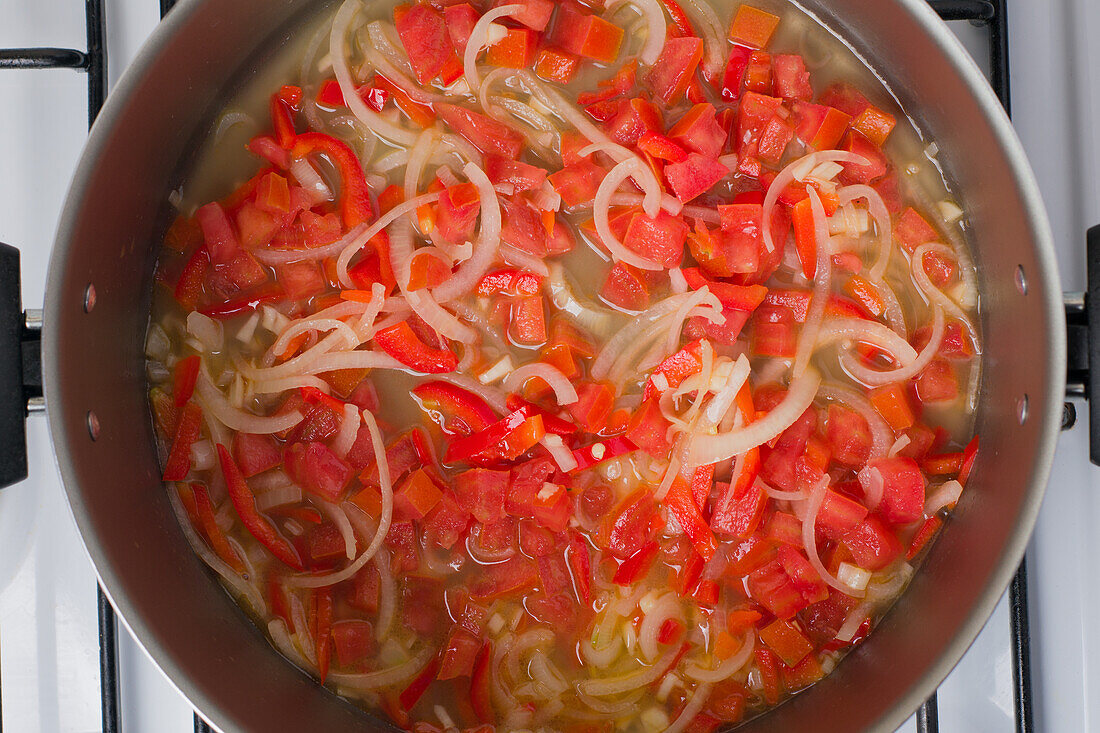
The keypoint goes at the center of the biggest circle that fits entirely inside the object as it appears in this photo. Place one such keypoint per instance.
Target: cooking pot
(93, 375)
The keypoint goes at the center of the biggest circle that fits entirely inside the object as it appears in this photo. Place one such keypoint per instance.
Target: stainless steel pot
(97, 312)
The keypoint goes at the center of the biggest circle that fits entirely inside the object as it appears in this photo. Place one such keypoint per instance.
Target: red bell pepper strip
(245, 504)
(480, 685)
(805, 237)
(970, 454)
(184, 376)
(418, 686)
(676, 368)
(314, 396)
(244, 304)
(284, 105)
(355, 206)
(457, 411)
(204, 511)
(670, 632)
(473, 445)
(590, 455)
(401, 343)
(580, 566)
(187, 432)
(702, 481)
(637, 565)
(680, 20)
(322, 628)
(681, 504)
(553, 424)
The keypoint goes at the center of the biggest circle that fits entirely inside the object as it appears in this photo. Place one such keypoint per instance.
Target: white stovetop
(48, 626)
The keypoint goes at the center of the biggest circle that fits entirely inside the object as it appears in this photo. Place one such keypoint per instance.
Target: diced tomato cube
(938, 382)
(787, 641)
(659, 240)
(460, 21)
(528, 321)
(892, 403)
(698, 131)
(849, 436)
(758, 74)
(626, 287)
(457, 213)
(877, 162)
(694, 176)
(875, 124)
(481, 492)
(770, 587)
(872, 545)
(586, 35)
(503, 579)
(648, 429)
(255, 453)
(488, 135)
(632, 526)
(535, 14)
(792, 81)
(912, 230)
(846, 98)
(773, 331)
(318, 470)
(515, 51)
(416, 496)
(635, 118)
(445, 524)
(900, 483)
(774, 138)
(739, 515)
(577, 183)
(675, 68)
(820, 127)
(353, 641)
(522, 176)
(593, 405)
(423, 33)
(459, 654)
(301, 280)
(217, 230)
(839, 514)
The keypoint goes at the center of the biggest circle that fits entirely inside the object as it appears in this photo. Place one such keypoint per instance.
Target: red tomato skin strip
(257, 525)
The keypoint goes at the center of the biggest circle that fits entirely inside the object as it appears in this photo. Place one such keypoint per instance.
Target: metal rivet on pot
(1021, 280)
(93, 425)
(89, 298)
(1021, 409)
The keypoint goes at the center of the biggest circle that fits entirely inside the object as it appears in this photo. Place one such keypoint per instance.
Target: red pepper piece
(284, 105)
(455, 410)
(184, 376)
(473, 445)
(510, 282)
(187, 432)
(400, 342)
(552, 423)
(681, 504)
(580, 566)
(245, 504)
(637, 565)
(355, 206)
(590, 455)
(418, 686)
(204, 512)
(480, 685)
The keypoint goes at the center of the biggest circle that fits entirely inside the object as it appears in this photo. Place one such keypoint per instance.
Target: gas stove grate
(991, 14)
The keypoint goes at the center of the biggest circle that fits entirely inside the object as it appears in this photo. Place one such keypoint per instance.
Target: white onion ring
(786, 177)
(478, 42)
(655, 27)
(488, 242)
(564, 391)
(876, 378)
(235, 419)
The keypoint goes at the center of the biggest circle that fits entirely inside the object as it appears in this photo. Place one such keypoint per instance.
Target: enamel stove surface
(49, 640)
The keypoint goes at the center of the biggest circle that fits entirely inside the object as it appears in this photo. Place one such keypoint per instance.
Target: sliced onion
(631, 681)
(694, 705)
(202, 455)
(277, 630)
(727, 668)
(945, 497)
(882, 437)
(387, 597)
(309, 179)
(881, 215)
(668, 607)
(438, 318)
(283, 256)
(617, 708)
(564, 391)
(809, 539)
(868, 332)
(787, 176)
(384, 677)
(714, 448)
(208, 331)
(600, 210)
(351, 340)
(235, 419)
(854, 620)
(876, 378)
(301, 628)
(280, 496)
(713, 33)
(349, 430)
(478, 41)
(320, 581)
(655, 27)
(895, 316)
(595, 318)
(611, 351)
(874, 486)
(381, 223)
(525, 260)
(340, 518)
(603, 657)
(934, 294)
(418, 158)
(488, 243)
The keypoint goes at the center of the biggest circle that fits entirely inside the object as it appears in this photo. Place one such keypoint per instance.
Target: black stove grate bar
(989, 13)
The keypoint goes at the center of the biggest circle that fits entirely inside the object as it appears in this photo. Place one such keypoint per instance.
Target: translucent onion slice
(714, 35)
(283, 256)
(714, 448)
(564, 391)
(655, 26)
(945, 497)
(809, 539)
(631, 680)
(381, 223)
(384, 677)
(236, 419)
(876, 378)
(488, 241)
(349, 430)
(787, 176)
(479, 40)
(600, 211)
(934, 294)
(868, 332)
(694, 705)
(375, 122)
(883, 224)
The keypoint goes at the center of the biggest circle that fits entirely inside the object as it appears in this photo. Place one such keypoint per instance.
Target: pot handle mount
(1083, 347)
(20, 369)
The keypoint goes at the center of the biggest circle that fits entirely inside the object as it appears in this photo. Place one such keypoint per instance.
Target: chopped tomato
(753, 27)
(400, 342)
(670, 76)
(586, 35)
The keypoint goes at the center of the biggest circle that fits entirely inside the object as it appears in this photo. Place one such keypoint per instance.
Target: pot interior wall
(94, 362)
